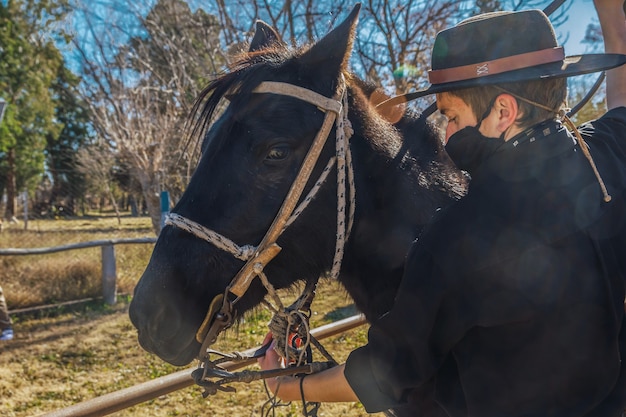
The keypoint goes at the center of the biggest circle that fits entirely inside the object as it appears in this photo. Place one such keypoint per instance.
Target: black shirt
(512, 302)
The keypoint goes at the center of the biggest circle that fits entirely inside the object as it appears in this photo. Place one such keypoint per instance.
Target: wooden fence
(109, 269)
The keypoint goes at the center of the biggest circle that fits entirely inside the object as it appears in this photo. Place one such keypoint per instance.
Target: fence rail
(109, 268)
(128, 397)
(81, 245)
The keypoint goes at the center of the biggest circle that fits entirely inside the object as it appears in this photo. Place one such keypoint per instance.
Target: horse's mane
(250, 68)
(247, 71)
(243, 75)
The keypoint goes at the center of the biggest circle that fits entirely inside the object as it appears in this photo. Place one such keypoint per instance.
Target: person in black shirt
(512, 302)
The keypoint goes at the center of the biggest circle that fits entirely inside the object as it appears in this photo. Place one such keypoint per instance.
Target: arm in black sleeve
(407, 345)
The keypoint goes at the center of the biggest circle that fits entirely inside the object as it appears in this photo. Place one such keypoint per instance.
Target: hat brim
(570, 66)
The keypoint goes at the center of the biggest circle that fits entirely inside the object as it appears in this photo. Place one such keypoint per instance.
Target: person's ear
(507, 111)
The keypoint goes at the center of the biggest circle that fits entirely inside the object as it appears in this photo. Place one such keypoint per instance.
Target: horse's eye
(278, 153)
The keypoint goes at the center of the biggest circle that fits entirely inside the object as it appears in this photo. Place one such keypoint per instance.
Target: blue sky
(580, 14)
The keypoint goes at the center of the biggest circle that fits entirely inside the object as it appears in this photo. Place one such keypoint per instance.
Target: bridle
(256, 258)
(220, 315)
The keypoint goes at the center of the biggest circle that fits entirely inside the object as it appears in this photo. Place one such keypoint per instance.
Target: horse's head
(251, 155)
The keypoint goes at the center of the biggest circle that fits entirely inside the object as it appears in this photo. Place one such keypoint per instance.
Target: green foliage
(62, 149)
(30, 64)
(590, 111)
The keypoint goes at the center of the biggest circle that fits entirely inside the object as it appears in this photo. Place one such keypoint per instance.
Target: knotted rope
(243, 253)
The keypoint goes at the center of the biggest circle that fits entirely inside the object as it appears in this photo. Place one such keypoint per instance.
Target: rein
(221, 311)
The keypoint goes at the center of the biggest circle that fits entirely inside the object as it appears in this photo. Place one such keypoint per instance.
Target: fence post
(109, 275)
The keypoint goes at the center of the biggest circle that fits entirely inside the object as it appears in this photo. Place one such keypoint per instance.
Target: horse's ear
(264, 36)
(332, 52)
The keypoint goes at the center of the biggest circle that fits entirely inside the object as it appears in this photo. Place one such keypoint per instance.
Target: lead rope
(562, 115)
(585, 148)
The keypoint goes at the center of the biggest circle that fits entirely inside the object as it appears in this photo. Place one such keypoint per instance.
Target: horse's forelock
(247, 71)
(251, 68)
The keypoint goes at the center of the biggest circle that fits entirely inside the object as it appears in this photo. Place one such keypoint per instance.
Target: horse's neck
(385, 225)
(400, 183)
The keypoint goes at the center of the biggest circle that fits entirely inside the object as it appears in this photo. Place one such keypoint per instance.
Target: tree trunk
(2, 187)
(154, 210)
(11, 208)
(151, 193)
(114, 202)
(134, 210)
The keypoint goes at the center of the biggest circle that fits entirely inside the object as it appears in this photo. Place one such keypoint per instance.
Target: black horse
(251, 155)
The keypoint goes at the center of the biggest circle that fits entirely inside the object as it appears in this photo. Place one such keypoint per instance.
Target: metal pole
(165, 207)
(128, 397)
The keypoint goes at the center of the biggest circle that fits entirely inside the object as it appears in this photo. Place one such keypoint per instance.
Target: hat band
(497, 66)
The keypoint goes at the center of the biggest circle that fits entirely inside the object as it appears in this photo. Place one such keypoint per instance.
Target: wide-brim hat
(503, 47)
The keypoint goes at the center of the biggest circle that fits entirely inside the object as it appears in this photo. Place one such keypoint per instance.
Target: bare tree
(141, 76)
(296, 21)
(143, 68)
(395, 37)
(95, 162)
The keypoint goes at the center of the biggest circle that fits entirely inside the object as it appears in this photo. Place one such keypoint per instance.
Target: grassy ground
(69, 357)
(63, 357)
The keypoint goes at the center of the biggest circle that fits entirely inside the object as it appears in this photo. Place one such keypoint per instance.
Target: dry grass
(32, 280)
(72, 357)
(45, 281)
(62, 358)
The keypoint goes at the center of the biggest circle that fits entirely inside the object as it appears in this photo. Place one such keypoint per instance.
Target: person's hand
(326, 386)
(271, 360)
